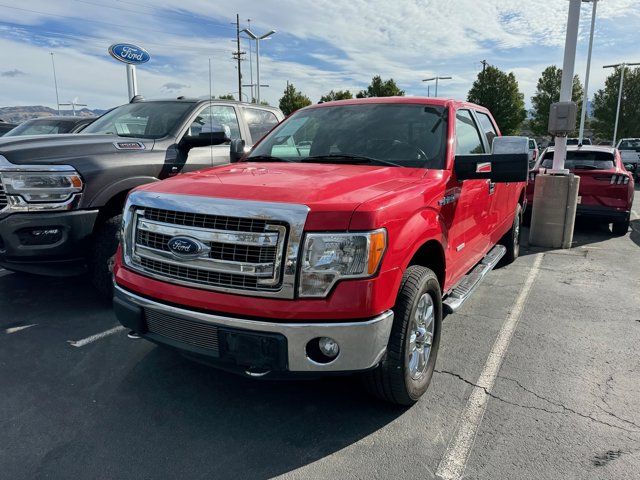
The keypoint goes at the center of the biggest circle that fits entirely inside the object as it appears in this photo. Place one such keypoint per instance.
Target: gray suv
(61, 196)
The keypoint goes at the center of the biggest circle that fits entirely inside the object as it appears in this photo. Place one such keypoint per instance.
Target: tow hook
(256, 372)
(133, 335)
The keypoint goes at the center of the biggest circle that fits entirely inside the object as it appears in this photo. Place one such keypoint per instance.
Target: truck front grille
(175, 328)
(3, 197)
(234, 253)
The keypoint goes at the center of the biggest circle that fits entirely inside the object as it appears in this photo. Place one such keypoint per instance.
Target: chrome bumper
(362, 344)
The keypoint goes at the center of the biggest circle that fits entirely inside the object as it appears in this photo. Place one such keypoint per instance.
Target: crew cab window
(468, 140)
(532, 145)
(408, 135)
(215, 118)
(142, 120)
(259, 122)
(582, 160)
(487, 126)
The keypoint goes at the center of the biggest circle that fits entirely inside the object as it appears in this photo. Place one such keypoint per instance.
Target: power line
(161, 17)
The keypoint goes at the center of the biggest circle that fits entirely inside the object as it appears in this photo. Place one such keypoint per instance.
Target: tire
(105, 244)
(620, 229)
(512, 238)
(397, 379)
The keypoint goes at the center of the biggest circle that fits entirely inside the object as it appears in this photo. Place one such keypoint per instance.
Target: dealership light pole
(436, 78)
(623, 66)
(257, 38)
(585, 95)
(55, 82)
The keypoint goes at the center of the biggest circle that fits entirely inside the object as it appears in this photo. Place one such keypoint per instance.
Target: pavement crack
(563, 408)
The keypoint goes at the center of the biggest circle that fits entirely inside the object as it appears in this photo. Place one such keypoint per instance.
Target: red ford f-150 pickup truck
(335, 245)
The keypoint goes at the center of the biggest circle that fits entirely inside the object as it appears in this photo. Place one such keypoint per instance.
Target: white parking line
(97, 336)
(454, 461)
(17, 329)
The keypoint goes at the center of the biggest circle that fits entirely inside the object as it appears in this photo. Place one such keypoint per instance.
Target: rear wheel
(105, 244)
(621, 228)
(405, 373)
(512, 238)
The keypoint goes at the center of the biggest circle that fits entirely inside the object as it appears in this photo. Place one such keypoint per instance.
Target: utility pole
(238, 56)
(55, 82)
(482, 82)
(585, 95)
(253, 95)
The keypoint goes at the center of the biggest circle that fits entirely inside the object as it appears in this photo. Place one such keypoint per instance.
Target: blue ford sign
(127, 53)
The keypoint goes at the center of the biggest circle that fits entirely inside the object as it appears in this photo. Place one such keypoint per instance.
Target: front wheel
(105, 244)
(405, 373)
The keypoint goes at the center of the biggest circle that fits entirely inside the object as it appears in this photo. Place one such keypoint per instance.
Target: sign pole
(132, 80)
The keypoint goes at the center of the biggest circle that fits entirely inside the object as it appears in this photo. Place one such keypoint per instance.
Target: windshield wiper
(266, 158)
(350, 158)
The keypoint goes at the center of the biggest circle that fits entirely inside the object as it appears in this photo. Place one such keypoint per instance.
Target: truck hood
(56, 149)
(332, 192)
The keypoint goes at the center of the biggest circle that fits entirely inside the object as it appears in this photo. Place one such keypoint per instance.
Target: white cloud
(320, 45)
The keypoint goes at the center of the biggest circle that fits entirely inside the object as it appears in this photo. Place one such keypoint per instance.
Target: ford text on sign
(127, 53)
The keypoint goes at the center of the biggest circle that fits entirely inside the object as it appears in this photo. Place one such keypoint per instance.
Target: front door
(468, 232)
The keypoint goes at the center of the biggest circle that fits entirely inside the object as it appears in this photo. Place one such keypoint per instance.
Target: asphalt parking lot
(537, 377)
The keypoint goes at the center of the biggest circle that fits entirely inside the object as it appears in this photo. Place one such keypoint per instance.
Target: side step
(468, 284)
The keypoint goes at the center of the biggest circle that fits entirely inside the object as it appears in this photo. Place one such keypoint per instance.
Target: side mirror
(508, 162)
(237, 150)
(204, 139)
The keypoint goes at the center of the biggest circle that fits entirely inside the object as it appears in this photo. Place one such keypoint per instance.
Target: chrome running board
(468, 284)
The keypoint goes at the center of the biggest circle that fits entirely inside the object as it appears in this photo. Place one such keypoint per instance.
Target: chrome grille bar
(243, 247)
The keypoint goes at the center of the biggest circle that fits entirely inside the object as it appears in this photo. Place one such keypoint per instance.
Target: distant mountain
(22, 113)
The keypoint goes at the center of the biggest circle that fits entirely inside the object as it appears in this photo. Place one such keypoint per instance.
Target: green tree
(292, 100)
(605, 103)
(499, 92)
(227, 96)
(337, 95)
(548, 92)
(380, 88)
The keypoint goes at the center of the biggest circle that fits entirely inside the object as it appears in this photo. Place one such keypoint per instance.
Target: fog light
(329, 347)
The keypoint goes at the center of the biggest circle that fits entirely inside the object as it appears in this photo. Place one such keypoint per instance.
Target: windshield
(582, 159)
(391, 134)
(142, 120)
(41, 127)
(630, 145)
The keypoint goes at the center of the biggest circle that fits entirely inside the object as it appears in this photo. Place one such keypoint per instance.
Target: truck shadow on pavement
(128, 409)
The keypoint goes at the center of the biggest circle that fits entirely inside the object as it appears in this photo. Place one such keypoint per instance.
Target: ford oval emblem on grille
(185, 246)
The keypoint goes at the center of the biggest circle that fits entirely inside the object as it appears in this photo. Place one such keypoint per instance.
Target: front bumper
(46, 243)
(273, 346)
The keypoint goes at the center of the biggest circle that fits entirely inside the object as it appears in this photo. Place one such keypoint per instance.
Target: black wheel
(105, 243)
(405, 373)
(512, 238)
(621, 228)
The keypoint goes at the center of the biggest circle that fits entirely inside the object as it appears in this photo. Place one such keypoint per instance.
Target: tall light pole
(257, 39)
(585, 95)
(251, 63)
(436, 78)
(55, 82)
(623, 66)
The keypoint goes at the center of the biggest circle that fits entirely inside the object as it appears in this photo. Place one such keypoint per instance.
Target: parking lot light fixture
(436, 78)
(257, 39)
(623, 67)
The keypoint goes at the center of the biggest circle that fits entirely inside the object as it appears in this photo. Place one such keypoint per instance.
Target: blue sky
(319, 45)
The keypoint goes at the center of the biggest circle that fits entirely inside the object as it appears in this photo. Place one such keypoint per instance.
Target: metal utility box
(562, 118)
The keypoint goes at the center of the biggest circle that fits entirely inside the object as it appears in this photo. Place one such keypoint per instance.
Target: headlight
(329, 257)
(42, 186)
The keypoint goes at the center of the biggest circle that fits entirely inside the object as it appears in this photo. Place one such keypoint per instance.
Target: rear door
(259, 122)
(213, 117)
